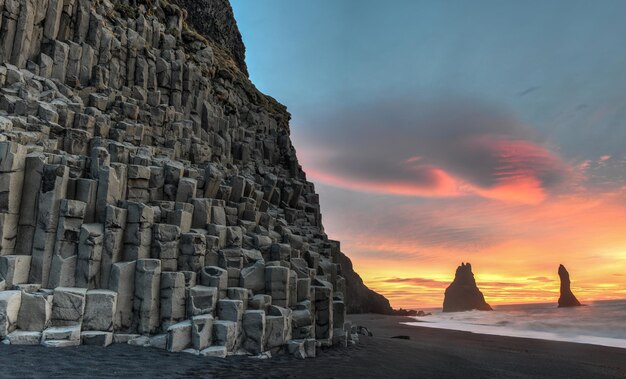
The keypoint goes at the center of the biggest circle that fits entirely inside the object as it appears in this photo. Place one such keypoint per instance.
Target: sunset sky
(438, 132)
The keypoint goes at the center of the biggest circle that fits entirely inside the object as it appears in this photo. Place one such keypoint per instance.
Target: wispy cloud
(443, 148)
(420, 282)
(542, 279)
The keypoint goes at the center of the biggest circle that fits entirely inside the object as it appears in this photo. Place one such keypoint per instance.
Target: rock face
(567, 298)
(463, 293)
(214, 19)
(150, 194)
(361, 299)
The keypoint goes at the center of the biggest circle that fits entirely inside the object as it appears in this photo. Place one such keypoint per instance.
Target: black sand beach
(430, 353)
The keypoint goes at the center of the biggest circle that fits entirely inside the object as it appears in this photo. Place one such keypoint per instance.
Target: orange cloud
(521, 170)
(521, 189)
(515, 262)
(441, 184)
(466, 185)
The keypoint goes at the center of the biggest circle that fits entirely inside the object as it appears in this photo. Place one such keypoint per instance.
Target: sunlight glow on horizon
(577, 229)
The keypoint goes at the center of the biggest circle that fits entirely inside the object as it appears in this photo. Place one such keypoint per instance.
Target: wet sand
(429, 353)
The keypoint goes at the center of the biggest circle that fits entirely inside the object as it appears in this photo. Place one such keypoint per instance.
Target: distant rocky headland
(463, 293)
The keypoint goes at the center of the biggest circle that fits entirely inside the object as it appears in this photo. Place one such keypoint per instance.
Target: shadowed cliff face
(567, 298)
(463, 293)
(214, 19)
(361, 299)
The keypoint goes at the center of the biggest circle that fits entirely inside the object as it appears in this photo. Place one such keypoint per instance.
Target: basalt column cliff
(149, 193)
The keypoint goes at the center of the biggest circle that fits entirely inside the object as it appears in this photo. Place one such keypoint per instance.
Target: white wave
(600, 323)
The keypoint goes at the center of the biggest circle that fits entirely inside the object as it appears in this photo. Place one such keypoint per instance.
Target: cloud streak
(417, 243)
(444, 148)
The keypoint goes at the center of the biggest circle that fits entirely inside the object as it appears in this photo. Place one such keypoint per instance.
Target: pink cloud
(521, 170)
(439, 184)
(445, 148)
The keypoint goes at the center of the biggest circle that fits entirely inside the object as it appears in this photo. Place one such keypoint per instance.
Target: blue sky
(330, 53)
(444, 106)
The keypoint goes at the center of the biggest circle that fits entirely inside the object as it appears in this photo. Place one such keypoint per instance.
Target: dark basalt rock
(214, 19)
(361, 299)
(362, 330)
(405, 312)
(463, 293)
(567, 298)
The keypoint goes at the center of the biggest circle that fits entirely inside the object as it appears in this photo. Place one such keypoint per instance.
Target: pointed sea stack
(567, 298)
(463, 293)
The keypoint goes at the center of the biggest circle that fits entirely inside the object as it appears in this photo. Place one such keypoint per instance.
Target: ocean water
(598, 323)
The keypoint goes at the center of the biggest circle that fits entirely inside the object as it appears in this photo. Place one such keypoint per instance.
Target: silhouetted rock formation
(361, 299)
(405, 312)
(463, 293)
(567, 298)
(410, 313)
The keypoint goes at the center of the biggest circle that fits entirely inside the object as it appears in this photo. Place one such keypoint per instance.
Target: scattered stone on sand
(410, 312)
(362, 330)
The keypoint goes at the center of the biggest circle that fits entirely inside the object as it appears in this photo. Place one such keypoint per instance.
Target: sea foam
(599, 323)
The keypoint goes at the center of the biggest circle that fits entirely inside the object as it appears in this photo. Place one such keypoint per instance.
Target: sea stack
(567, 298)
(463, 293)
